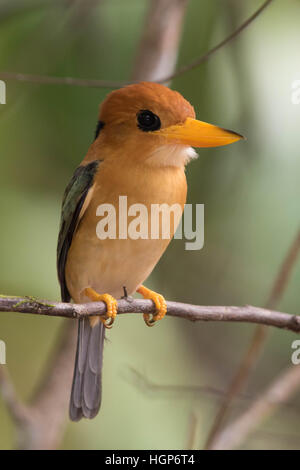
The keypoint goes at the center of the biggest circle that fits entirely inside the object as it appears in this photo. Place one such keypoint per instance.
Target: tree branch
(244, 314)
(92, 83)
(280, 390)
(40, 424)
(256, 345)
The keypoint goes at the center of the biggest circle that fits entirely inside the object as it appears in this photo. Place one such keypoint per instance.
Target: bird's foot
(160, 304)
(111, 305)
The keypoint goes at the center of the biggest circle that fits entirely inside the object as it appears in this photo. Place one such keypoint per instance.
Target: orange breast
(109, 264)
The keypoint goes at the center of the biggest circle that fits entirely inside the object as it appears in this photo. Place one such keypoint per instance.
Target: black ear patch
(100, 126)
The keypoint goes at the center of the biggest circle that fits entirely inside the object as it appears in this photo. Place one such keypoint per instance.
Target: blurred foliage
(250, 190)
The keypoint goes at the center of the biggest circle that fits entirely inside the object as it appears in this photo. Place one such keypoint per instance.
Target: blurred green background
(250, 190)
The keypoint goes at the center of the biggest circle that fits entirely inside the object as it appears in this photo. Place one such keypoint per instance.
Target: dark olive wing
(73, 200)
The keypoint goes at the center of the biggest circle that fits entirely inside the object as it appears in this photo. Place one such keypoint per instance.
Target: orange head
(152, 123)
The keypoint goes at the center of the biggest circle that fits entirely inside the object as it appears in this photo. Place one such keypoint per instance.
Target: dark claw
(149, 321)
(127, 297)
(108, 323)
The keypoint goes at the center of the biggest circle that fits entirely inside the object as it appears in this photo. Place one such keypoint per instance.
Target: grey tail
(86, 389)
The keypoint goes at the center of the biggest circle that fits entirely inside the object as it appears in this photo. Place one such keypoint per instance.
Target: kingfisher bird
(143, 141)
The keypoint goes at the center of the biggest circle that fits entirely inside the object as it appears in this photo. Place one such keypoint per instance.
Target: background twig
(157, 65)
(41, 423)
(256, 345)
(280, 390)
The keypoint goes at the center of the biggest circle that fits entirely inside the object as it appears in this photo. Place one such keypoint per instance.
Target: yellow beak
(198, 134)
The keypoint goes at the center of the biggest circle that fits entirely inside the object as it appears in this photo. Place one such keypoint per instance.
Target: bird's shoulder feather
(73, 200)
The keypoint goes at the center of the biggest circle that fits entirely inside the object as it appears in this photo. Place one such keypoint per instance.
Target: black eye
(148, 121)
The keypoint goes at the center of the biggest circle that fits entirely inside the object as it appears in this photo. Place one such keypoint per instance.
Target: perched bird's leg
(111, 305)
(160, 303)
(126, 297)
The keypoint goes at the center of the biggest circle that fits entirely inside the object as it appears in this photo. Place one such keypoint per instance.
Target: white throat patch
(172, 155)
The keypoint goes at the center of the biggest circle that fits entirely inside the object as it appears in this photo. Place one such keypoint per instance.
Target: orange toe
(111, 305)
(160, 304)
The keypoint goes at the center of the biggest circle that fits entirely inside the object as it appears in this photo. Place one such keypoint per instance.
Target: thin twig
(40, 424)
(48, 80)
(147, 385)
(256, 345)
(280, 390)
(284, 273)
(17, 410)
(195, 63)
(244, 314)
(193, 426)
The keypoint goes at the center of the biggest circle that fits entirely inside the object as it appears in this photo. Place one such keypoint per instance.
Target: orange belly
(109, 264)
